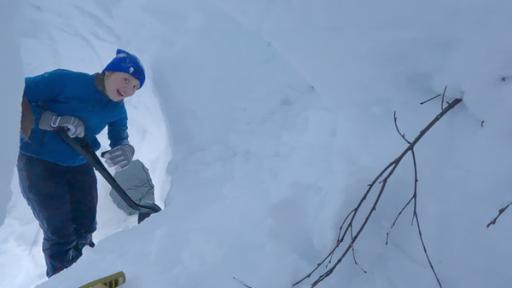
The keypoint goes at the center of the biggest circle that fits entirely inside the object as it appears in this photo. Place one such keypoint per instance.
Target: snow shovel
(137, 183)
(81, 146)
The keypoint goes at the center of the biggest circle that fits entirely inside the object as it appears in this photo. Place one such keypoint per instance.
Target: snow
(270, 118)
(12, 74)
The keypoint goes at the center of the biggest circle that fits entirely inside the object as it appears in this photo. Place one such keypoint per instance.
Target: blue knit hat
(127, 63)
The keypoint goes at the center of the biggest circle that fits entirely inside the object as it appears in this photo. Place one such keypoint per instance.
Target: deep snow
(279, 113)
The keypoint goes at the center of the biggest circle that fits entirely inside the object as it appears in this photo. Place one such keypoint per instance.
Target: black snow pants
(63, 200)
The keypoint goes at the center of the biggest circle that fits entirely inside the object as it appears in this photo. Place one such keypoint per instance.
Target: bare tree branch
(242, 282)
(344, 231)
(398, 129)
(442, 99)
(414, 198)
(385, 174)
(430, 99)
(502, 209)
(340, 239)
(397, 217)
(354, 254)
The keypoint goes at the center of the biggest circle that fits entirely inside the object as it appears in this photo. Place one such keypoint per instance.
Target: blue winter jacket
(75, 94)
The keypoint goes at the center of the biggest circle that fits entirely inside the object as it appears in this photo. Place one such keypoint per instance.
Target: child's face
(119, 85)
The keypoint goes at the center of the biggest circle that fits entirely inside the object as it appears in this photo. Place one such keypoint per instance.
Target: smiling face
(120, 85)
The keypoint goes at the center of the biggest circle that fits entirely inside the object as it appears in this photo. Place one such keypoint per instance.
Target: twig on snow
(381, 179)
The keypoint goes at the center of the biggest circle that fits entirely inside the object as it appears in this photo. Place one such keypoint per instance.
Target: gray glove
(120, 156)
(51, 121)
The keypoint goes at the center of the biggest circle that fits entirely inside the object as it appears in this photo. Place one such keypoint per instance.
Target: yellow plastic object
(111, 281)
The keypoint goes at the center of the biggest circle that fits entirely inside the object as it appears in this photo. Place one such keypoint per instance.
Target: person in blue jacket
(56, 181)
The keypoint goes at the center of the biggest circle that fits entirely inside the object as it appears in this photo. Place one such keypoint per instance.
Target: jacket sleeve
(118, 132)
(40, 89)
